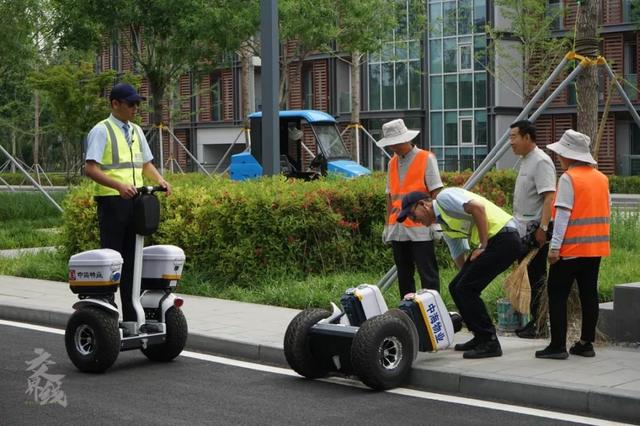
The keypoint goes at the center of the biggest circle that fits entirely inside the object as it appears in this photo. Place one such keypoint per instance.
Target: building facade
(437, 82)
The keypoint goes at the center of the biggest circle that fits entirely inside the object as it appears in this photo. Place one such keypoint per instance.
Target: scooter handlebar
(150, 189)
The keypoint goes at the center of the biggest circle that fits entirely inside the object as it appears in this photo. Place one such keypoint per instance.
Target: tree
(587, 44)
(167, 37)
(527, 64)
(73, 92)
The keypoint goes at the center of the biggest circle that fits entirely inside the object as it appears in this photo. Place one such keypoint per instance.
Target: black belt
(506, 229)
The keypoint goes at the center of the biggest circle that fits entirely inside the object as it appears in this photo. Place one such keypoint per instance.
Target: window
(436, 129)
(554, 10)
(450, 91)
(307, 88)
(630, 70)
(216, 97)
(449, 18)
(465, 131)
(464, 17)
(451, 128)
(464, 58)
(479, 15)
(466, 91)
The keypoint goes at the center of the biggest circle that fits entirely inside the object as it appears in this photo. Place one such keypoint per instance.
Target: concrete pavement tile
(633, 386)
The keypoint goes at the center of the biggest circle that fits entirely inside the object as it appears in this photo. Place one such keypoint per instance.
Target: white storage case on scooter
(95, 272)
(161, 267)
(362, 302)
(432, 320)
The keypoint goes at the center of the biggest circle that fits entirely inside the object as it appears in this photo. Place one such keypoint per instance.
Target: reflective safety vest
(587, 233)
(120, 161)
(413, 181)
(456, 227)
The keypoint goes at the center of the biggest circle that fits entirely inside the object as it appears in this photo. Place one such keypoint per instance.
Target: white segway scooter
(94, 336)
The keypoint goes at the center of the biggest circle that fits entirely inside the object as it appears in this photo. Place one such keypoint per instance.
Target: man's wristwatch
(544, 227)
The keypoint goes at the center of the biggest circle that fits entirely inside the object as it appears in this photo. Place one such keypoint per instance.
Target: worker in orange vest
(580, 239)
(410, 169)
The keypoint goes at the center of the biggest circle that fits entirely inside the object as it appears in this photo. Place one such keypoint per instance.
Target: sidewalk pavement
(606, 386)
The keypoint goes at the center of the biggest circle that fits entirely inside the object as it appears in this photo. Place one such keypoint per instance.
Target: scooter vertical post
(137, 280)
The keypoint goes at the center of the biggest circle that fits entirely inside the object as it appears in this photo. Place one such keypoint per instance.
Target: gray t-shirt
(397, 231)
(536, 176)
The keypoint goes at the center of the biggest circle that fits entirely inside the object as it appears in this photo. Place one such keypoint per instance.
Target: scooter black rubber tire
(456, 320)
(368, 353)
(176, 339)
(101, 342)
(399, 313)
(297, 347)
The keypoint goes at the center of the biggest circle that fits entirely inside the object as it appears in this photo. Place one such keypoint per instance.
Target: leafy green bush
(624, 184)
(56, 178)
(243, 232)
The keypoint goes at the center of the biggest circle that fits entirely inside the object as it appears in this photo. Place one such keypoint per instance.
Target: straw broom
(516, 286)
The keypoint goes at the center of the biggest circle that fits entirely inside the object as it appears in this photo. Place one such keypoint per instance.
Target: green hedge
(243, 232)
(624, 184)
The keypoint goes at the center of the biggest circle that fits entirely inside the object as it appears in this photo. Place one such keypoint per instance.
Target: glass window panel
(401, 51)
(451, 159)
(435, 20)
(481, 153)
(466, 64)
(449, 18)
(480, 52)
(466, 159)
(436, 138)
(466, 90)
(414, 50)
(480, 90)
(635, 140)
(387, 52)
(450, 91)
(375, 57)
(438, 153)
(435, 56)
(481, 127)
(387, 86)
(415, 84)
(479, 15)
(450, 47)
(464, 17)
(436, 92)
(402, 85)
(451, 128)
(466, 130)
(374, 87)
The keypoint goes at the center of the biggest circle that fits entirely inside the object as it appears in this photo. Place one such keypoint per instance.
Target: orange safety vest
(588, 229)
(413, 181)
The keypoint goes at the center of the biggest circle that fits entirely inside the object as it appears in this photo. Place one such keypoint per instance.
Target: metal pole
(188, 153)
(374, 142)
(36, 184)
(521, 116)
(270, 84)
(7, 184)
(161, 157)
(500, 150)
(623, 94)
(357, 130)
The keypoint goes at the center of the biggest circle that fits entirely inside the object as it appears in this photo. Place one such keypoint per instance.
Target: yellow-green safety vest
(466, 228)
(121, 161)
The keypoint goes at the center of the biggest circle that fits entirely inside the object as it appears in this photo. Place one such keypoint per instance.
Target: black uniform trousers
(502, 250)
(411, 254)
(562, 274)
(115, 218)
(537, 271)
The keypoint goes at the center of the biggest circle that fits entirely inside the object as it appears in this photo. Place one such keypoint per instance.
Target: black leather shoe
(529, 331)
(467, 345)
(552, 353)
(486, 349)
(582, 349)
(524, 327)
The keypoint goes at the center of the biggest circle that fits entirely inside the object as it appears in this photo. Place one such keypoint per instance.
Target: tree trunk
(36, 126)
(587, 81)
(355, 101)
(157, 96)
(245, 60)
(13, 149)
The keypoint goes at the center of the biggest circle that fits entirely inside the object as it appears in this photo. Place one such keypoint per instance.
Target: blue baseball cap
(408, 201)
(125, 92)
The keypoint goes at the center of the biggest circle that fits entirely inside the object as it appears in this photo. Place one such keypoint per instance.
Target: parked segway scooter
(368, 340)
(94, 336)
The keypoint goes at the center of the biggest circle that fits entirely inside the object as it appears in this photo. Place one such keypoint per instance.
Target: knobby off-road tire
(399, 313)
(297, 346)
(176, 339)
(92, 339)
(382, 352)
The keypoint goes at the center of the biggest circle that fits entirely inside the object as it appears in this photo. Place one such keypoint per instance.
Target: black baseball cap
(409, 201)
(125, 92)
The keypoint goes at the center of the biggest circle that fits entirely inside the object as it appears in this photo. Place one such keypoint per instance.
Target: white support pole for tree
(188, 153)
(623, 94)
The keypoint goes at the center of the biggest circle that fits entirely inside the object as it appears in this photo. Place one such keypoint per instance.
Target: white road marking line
(354, 383)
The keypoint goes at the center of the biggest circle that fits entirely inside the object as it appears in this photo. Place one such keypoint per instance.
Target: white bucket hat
(573, 145)
(395, 132)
